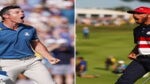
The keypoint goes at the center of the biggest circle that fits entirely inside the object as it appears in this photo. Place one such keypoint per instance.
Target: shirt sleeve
(35, 36)
(135, 34)
(83, 63)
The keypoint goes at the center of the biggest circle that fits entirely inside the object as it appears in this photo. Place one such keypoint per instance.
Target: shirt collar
(2, 26)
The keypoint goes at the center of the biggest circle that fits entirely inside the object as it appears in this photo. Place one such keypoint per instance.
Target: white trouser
(32, 68)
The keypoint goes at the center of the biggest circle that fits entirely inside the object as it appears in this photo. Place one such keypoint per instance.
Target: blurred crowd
(107, 21)
(54, 22)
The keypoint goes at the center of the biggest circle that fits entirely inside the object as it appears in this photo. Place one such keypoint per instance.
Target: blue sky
(108, 4)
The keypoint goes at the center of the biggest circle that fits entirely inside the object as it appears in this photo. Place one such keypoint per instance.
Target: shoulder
(27, 26)
(1, 24)
(137, 28)
(83, 62)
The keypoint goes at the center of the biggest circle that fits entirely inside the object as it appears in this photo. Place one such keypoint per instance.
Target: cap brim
(135, 12)
(131, 12)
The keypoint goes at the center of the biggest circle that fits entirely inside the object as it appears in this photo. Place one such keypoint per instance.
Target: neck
(147, 20)
(147, 23)
(10, 25)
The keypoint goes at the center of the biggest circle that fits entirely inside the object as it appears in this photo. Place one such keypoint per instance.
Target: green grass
(104, 41)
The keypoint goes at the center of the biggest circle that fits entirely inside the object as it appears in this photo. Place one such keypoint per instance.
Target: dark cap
(142, 10)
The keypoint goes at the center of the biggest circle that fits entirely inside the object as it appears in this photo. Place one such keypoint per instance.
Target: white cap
(68, 3)
(61, 41)
(121, 62)
(50, 41)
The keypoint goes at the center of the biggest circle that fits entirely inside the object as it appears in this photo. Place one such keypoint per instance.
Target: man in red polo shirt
(141, 52)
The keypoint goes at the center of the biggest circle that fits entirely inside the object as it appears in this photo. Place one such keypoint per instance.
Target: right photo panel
(112, 42)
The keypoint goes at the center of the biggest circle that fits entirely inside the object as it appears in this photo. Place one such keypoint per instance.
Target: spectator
(64, 68)
(85, 32)
(81, 66)
(68, 12)
(110, 61)
(120, 67)
(81, 69)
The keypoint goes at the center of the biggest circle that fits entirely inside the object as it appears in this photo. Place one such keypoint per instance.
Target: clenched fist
(132, 56)
(53, 60)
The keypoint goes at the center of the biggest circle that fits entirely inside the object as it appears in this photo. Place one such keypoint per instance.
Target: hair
(6, 9)
(81, 58)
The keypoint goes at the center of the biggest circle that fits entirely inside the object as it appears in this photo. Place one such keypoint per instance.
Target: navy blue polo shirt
(15, 44)
(142, 39)
(141, 31)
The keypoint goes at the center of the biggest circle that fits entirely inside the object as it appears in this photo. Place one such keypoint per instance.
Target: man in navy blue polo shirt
(141, 52)
(17, 42)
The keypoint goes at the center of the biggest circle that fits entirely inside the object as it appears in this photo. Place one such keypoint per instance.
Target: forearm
(135, 50)
(43, 51)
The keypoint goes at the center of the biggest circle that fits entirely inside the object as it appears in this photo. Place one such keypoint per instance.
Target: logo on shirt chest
(26, 34)
(148, 33)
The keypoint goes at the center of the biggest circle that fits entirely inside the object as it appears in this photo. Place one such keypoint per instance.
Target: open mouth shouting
(22, 17)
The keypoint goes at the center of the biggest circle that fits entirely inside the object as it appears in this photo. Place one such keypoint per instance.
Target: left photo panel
(37, 42)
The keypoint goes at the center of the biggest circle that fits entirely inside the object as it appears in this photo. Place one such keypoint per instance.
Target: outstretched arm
(42, 50)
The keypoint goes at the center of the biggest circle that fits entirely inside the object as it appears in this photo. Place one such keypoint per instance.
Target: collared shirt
(15, 44)
(142, 38)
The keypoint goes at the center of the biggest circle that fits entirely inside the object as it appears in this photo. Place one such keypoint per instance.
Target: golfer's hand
(132, 56)
(53, 60)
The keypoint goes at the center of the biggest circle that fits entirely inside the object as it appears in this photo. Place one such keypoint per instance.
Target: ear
(6, 16)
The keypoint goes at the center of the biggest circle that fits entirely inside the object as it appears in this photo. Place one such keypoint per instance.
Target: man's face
(15, 15)
(140, 18)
